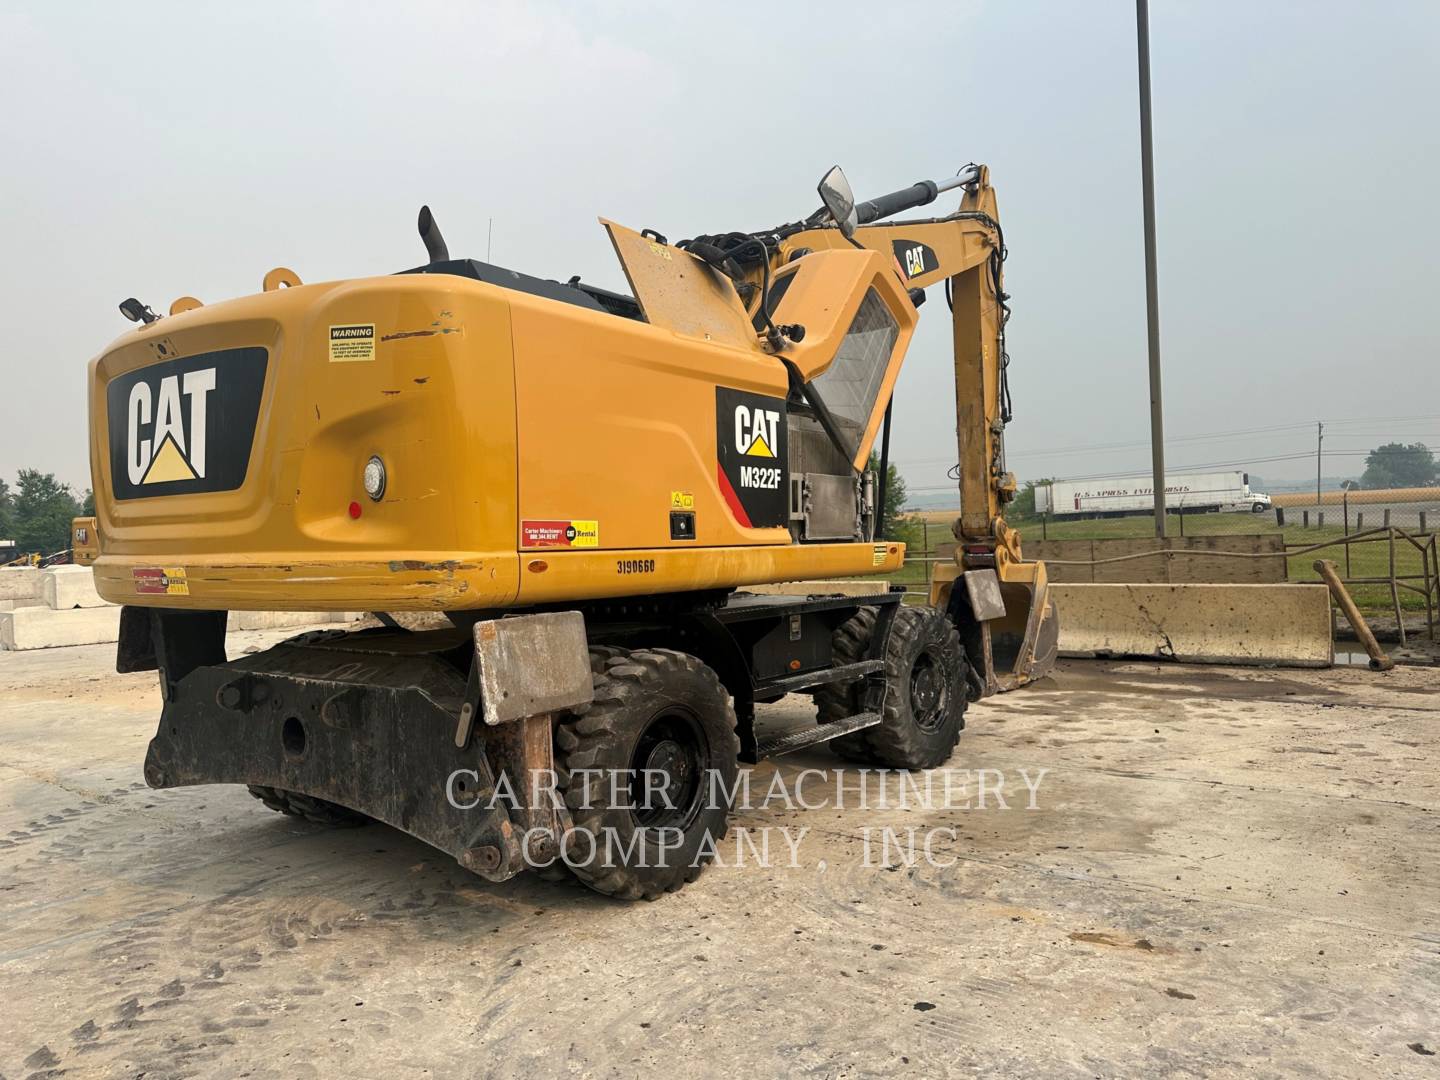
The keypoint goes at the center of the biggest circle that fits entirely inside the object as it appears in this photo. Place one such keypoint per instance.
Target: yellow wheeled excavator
(596, 488)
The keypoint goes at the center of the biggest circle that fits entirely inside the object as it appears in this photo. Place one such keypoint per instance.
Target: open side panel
(679, 292)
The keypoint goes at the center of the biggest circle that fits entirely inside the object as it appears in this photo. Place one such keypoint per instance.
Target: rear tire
(925, 690)
(320, 811)
(655, 710)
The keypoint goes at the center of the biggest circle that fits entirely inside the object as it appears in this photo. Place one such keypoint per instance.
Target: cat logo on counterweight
(184, 425)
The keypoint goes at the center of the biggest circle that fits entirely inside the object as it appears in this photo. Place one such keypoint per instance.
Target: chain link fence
(1382, 541)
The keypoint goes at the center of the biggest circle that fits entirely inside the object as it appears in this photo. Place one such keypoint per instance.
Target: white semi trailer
(1184, 492)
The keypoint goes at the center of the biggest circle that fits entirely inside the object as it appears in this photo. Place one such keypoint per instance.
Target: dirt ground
(1226, 871)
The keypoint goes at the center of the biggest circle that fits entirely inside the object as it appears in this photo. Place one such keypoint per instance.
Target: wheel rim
(929, 692)
(672, 750)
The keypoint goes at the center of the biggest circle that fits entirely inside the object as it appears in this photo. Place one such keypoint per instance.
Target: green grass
(1366, 559)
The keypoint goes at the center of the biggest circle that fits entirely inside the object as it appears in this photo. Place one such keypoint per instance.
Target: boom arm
(965, 250)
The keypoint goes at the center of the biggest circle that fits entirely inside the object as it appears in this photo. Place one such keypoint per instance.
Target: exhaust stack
(430, 234)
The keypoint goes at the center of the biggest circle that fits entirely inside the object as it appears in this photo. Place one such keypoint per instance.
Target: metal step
(798, 740)
(842, 673)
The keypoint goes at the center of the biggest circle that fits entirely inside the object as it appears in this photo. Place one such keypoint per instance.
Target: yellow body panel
(496, 413)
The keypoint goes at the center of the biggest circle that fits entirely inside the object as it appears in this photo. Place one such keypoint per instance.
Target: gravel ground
(1225, 871)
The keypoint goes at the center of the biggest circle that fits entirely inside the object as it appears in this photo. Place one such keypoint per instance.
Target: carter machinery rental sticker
(561, 534)
(160, 581)
(352, 343)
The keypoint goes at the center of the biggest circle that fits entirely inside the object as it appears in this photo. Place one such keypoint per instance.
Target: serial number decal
(634, 566)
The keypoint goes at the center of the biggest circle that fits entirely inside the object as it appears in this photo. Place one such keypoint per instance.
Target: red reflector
(354, 509)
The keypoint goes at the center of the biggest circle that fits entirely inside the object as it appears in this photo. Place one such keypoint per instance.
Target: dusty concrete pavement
(1225, 871)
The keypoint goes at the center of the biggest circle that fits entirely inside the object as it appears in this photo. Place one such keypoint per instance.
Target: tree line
(36, 513)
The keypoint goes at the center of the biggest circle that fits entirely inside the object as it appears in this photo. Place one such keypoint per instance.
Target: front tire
(647, 773)
(925, 691)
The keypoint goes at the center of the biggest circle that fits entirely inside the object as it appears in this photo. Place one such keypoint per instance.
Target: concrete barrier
(66, 587)
(841, 587)
(1286, 625)
(271, 620)
(42, 628)
(20, 586)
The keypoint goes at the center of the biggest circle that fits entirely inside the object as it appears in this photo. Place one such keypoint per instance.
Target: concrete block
(42, 628)
(1287, 625)
(66, 587)
(850, 587)
(270, 620)
(20, 584)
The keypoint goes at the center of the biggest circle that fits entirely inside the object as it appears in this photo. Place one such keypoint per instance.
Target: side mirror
(835, 193)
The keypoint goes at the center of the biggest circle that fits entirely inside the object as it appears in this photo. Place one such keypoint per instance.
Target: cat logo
(756, 431)
(156, 450)
(184, 425)
(751, 452)
(915, 259)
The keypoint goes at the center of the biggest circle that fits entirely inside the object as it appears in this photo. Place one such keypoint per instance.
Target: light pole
(1152, 296)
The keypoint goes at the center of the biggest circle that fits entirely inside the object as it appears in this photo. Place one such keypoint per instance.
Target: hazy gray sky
(164, 149)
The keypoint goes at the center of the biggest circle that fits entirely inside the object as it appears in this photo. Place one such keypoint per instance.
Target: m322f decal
(751, 447)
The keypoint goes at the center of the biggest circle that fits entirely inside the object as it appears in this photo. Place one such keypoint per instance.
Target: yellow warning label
(352, 343)
(682, 500)
(879, 557)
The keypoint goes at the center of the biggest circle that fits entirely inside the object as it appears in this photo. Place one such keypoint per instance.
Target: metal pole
(1152, 296)
(1319, 439)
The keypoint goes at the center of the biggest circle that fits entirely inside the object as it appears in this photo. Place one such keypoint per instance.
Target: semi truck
(1191, 493)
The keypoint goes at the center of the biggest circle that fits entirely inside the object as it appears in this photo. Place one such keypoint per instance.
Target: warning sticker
(160, 581)
(352, 343)
(880, 551)
(682, 500)
(562, 534)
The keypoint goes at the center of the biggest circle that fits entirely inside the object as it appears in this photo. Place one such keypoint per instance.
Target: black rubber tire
(917, 635)
(320, 811)
(633, 692)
